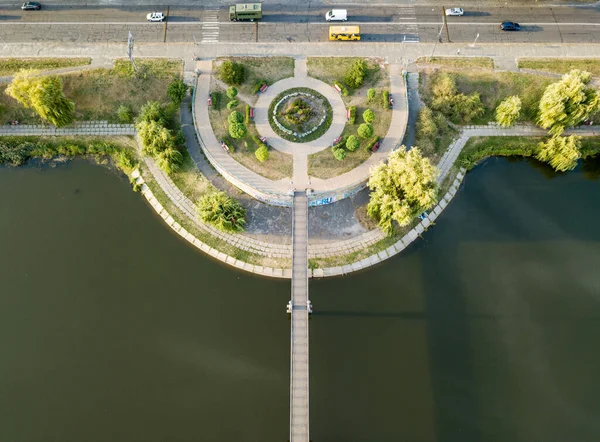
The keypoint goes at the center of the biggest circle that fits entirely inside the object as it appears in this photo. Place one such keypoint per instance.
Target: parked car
(31, 6)
(510, 26)
(336, 15)
(455, 11)
(155, 16)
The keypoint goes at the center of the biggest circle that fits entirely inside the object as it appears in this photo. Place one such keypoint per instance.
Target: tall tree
(508, 112)
(44, 95)
(568, 102)
(222, 211)
(561, 153)
(402, 189)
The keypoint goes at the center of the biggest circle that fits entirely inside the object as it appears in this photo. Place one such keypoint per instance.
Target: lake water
(113, 328)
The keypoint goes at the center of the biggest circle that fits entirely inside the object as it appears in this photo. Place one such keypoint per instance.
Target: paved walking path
(95, 64)
(100, 128)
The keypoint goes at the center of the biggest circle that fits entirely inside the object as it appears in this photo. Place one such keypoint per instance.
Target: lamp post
(475, 41)
(439, 40)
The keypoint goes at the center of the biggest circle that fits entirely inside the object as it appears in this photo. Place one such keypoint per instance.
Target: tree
(426, 127)
(155, 137)
(339, 154)
(152, 111)
(44, 95)
(232, 92)
(262, 153)
(568, 102)
(237, 130)
(169, 160)
(222, 211)
(176, 91)
(235, 117)
(561, 153)
(232, 73)
(231, 104)
(508, 112)
(356, 74)
(352, 143)
(368, 116)
(371, 94)
(365, 130)
(446, 99)
(402, 189)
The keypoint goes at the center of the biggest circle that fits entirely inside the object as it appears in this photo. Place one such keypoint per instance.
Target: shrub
(352, 110)
(222, 211)
(385, 99)
(262, 153)
(458, 107)
(365, 130)
(169, 160)
(258, 85)
(368, 116)
(152, 111)
(176, 91)
(216, 100)
(180, 138)
(343, 88)
(15, 154)
(339, 154)
(124, 159)
(352, 143)
(235, 117)
(232, 73)
(237, 130)
(232, 104)
(426, 126)
(231, 92)
(356, 74)
(371, 94)
(370, 144)
(341, 144)
(124, 114)
(70, 150)
(247, 115)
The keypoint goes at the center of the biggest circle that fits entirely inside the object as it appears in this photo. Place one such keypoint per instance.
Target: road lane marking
(177, 23)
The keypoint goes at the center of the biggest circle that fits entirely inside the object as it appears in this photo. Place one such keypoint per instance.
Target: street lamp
(439, 40)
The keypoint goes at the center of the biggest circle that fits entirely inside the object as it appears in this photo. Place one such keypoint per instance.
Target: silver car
(455, 11)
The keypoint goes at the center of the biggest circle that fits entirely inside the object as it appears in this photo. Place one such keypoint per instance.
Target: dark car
(510, 26)
(31, 6)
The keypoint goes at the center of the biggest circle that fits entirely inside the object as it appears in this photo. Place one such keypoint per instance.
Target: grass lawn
(459, 62)
(269, 69)
(493, 87)
(10, 66)
(278, 166)
(98, 93)
(561, 65)
(189, 180)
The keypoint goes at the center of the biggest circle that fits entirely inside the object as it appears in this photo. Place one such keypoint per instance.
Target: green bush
(258, 85)
(368, 116)
(124, 114)
(352, 143)
(262, 154)
(232, 73)
(339, 154)
(247, 115)
(459, 108)
(385, 99)
(352, 119)
(176, 91)
(235, 117)
(152, 111)
(356, 74)
(15, 153)
(237, 130)
(231, 92)
(216, 100)
(222, 211)
(124, 159)
(343, 88)
(371, 94)
(365, 130)
(180, 138)
(232, 104)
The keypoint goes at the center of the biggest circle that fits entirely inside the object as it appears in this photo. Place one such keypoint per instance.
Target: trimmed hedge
(247, 115)
(343, 88)
(385, 96)
(352, 119)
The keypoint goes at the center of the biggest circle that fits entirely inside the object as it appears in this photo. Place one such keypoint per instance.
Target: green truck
(245, 11)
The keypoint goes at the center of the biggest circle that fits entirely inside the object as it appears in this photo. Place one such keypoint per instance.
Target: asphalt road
(301, 22)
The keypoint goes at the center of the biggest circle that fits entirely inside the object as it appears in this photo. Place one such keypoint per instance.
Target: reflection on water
(112, 328)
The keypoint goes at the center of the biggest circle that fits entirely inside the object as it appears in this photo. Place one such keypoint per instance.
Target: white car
(155, 16)
(455, 11)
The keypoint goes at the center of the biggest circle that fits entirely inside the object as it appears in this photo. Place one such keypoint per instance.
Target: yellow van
(344, 33)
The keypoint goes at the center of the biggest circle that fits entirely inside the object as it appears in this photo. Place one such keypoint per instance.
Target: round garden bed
(300, 115)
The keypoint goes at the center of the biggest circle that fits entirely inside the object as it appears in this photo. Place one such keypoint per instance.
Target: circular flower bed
(300, 115)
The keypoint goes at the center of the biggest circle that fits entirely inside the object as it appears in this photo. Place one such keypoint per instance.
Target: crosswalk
(210, 26)
(409, 29)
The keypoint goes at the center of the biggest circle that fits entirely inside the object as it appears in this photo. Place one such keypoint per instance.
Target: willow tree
(44, 95)
(509, 111)
(561, 153)
(402, 188)
(568, 102)
(222, 211)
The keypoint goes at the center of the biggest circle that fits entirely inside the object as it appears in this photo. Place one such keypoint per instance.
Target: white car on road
(155, 16)
(455, 11)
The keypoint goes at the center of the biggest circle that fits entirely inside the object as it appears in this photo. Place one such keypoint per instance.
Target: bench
(264, 87)
(337, 140)
(263, 140)
(348, 114)
(225, 146)
(337, 88)
(210, 101)
(391, 100)
(252, 113)
(375, 147)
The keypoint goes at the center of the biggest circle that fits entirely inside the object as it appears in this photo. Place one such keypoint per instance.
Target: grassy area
(269, 69)
(97, 93)
(459, 62)
(10, 66)
(480, 148)
(494, 87)
(561, 65)
(278, 166)
(189, 180)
